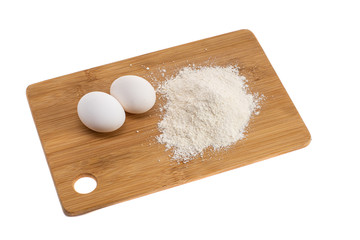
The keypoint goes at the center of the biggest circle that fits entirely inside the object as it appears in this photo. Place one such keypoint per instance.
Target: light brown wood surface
(129, 164)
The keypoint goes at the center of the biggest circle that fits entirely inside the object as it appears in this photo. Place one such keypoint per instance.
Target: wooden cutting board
(129, 163)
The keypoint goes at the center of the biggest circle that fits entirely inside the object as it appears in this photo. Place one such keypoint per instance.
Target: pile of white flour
(205, 107)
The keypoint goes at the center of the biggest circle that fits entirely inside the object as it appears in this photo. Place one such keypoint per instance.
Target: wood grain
(129, 164)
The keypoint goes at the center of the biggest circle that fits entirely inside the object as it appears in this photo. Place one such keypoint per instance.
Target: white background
(312, 193)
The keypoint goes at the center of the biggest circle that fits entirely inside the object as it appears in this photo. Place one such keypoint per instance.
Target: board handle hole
(85, 183)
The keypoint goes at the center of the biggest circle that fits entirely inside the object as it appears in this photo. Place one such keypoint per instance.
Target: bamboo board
(129, 163)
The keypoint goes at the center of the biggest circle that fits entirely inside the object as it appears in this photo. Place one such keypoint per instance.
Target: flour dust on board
(206, 107)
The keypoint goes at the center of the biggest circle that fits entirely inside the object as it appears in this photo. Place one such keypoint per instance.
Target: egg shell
(100, 112)
(135, 94)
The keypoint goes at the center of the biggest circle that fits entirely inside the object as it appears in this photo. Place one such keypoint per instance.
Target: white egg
(100, 112)
(135, 94)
